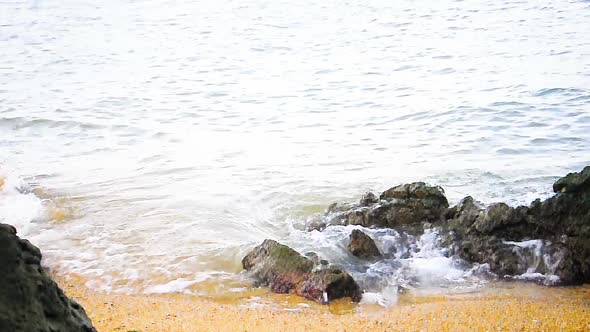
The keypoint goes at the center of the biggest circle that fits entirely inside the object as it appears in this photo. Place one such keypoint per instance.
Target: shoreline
(498, 305)
(511, 306)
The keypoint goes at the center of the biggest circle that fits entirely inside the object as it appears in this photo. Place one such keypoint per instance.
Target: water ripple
(195, 129)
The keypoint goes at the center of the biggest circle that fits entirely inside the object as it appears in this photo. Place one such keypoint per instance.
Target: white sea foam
(18, 205)
(410, 262)
(174, 286)
(526, 244)
(540, 264)
(546, 279)
(385, 297)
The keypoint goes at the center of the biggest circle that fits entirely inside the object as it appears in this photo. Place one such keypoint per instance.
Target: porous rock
(29, 299)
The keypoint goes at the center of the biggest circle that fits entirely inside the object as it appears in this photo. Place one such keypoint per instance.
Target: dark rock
(497, 216)
(286, 271)
(318, 224)
(573, 182)
(273, 263)
(414, 203)
(406, 204)
(416, 190)
(562, 214)
(464, 213)
(485, 234)
(574, 267)
(336, 214)
(29, 299)
(328, 284)
(368, 199)
(561, 222)
(361, 245)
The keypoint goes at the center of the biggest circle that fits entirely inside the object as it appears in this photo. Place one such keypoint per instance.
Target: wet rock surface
(29, 299)
(498, 234)
(401, 205)
(272, 260)
(547, 242)
(286, 271)
(573, 182)
(328, 284)
(503, 236)
(363, 246)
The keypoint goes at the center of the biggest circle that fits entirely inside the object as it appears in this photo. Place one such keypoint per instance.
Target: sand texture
(510, 307)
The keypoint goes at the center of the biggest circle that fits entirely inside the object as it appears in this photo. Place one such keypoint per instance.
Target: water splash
(538, 259)
(19, 206)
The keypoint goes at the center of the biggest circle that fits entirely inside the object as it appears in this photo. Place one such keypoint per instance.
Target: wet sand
(508, 307)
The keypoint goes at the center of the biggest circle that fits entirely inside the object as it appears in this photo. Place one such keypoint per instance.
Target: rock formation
(547, 241)
(554, 234)
(401, 205)
(500, 234)
(29, 299)
(286, 271)
(362, 246)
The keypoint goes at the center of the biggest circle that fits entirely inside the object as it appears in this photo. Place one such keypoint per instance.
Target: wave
(23, 122)
(560, 91)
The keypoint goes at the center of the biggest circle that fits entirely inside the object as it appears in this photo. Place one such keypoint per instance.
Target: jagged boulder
(368, 199)
(499, 216)
(566, 216)
(328, 284)
(29, 299)
(499, 234)
(464, 214)
(405, 204)
(362, 246)
(272, 259)
(573, 182)
(284, 270)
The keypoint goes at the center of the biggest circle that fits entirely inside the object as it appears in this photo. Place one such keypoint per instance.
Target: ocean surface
(148, 145)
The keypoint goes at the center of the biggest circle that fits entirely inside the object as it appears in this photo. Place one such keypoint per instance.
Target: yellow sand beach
(507, 307)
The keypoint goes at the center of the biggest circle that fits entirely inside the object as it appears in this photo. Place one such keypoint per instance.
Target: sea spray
(19, 206)
(410, 261)
(537, 259)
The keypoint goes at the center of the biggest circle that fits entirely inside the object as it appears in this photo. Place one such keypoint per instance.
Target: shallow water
(156, 141)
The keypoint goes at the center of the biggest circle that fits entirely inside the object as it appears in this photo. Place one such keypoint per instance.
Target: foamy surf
(410, 262)
(19, 206)
(539, 262)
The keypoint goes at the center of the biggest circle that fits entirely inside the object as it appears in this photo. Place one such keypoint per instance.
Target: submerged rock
(29, 299)
(362, 246)
(286, 271)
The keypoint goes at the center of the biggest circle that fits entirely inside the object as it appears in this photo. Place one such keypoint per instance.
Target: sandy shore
(510, 307)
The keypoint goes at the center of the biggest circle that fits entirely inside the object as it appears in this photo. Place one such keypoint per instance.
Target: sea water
(148, 145)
